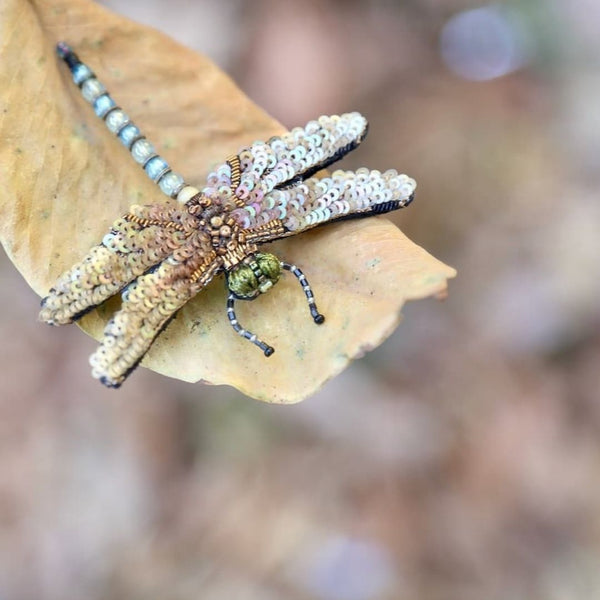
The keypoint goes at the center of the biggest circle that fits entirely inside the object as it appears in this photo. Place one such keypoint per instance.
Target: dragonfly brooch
(160, 256)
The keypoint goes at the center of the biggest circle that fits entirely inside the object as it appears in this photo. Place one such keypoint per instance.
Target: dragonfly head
(254, 276)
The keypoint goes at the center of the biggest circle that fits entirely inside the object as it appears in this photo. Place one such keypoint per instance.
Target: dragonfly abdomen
(118, 122)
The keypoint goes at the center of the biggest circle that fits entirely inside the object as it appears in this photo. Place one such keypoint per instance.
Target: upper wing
(135, 242)
(283, 161)
(148, 305)
(343, 195)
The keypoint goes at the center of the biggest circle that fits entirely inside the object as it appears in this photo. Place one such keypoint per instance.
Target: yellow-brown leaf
(66, 178)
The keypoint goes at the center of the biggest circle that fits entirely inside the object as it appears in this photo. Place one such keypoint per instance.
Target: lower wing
(314, 202)
(148, 305)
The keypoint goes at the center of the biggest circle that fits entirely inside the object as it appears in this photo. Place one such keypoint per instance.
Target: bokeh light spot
(483, 43)
(349, 569)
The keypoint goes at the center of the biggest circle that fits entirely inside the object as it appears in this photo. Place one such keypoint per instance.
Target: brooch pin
(160, 256)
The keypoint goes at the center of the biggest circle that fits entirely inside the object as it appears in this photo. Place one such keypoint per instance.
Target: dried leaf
(66, 179)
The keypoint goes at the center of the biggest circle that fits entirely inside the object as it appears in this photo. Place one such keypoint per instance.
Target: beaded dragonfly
(160, 256)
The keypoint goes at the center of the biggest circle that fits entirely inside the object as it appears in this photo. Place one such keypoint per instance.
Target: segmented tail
(119, 123)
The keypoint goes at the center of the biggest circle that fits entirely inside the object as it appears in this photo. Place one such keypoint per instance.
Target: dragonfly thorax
(255, 275)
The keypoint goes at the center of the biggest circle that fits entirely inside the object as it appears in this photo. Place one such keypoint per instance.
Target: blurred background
(458, 461)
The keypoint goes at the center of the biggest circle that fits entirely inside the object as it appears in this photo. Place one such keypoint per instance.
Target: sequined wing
(313, 202)
(149, 303)
(299, 154)
(135, 243)
(283, 161)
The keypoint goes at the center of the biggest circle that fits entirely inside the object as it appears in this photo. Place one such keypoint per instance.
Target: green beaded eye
(247, 281)
(271, 268)
(243, 282)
